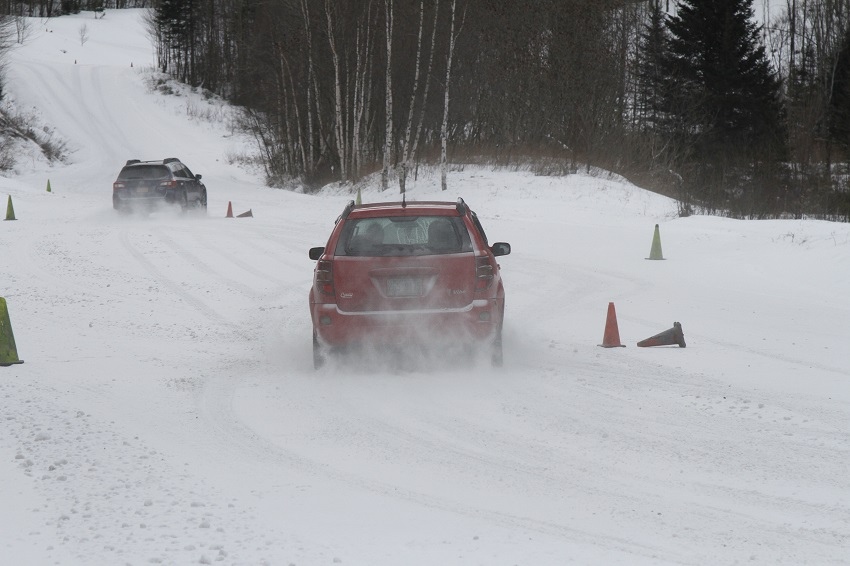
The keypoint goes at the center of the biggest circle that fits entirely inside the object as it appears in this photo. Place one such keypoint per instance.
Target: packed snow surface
(167, 410)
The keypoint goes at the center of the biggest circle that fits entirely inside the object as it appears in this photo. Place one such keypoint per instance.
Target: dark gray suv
(143, 185)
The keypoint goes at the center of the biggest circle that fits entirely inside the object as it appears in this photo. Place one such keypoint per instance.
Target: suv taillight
(168, 184)
(483, 273)
(325, 277)
(117, 185)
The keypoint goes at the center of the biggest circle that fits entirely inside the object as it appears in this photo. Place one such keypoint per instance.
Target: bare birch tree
(388, 139)
(22, 27)
(444, 130)
(417, 136)
(339, 129)
(309, 88)
(282, 110)
(362, 88)
(406, 141)
(299, 130)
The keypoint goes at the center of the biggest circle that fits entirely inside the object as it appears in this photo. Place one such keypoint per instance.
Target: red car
(407, 274)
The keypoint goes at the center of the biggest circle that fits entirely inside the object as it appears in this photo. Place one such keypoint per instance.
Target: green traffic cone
(8, 351)
(10, 210)
(359, 200)
(655, 252)
(48, 186)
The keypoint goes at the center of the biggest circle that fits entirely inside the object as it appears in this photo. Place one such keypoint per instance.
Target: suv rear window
(403, 235)
(144, 172)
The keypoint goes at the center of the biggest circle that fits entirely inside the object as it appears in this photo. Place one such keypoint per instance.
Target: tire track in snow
(60, 263)
(97, 103)
(280, 283)
(202, 266)
(175, 287)
(108, 116)
(89, 123)
(216, 407)
(618, 412)
(37, 74)
(106, 490)
(736, 347)
(476, 449)
(260, 240)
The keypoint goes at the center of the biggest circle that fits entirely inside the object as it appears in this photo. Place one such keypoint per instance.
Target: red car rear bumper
(477, 322)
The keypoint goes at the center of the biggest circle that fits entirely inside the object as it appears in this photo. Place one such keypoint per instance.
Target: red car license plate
(404, 287)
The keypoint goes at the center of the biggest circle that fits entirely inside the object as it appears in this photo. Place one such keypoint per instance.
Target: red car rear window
(403, 235)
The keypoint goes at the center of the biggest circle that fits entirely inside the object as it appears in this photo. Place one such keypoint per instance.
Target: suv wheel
(318, 352)
(496, 358)
(184, 201)
(496, 353)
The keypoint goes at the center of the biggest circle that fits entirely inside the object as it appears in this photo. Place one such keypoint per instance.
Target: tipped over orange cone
(229, 210)
(247, 214)
(611, 339)
(669, 337)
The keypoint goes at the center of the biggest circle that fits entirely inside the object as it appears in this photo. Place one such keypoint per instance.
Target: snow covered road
(167, 410)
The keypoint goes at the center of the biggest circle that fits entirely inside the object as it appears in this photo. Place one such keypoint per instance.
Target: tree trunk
(362, 88)
(310, 164)
(340, 121)
(301, 143)
(428, 74)
(408, 132)
(444, 135)
(388, 139)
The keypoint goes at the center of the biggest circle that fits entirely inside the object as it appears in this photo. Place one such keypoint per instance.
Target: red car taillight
(117, 185)
(168, 184)
(483, 273)
(325, 277)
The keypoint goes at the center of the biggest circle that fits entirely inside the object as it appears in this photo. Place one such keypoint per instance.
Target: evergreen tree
(725, 89)
(652, 76)
(69, 7)
(839, 100)
(175, 24)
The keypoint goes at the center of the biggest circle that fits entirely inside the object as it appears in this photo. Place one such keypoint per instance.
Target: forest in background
(692, 99)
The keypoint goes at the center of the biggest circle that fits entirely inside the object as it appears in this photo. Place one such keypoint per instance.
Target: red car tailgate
(427, 282)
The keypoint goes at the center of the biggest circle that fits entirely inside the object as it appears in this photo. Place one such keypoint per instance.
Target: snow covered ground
(167, 410)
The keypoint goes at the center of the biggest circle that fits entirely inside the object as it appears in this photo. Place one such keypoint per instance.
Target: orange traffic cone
(667, 338)
(611, 339)
(247, 214)
(229, 210)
